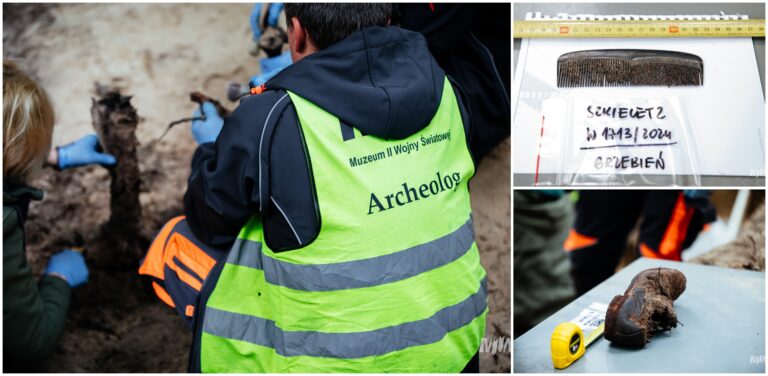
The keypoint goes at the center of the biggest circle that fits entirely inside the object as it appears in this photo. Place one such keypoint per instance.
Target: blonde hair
(27, 124)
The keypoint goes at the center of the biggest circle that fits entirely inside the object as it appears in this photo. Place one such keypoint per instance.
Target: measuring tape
(638, 28)
(568, 343)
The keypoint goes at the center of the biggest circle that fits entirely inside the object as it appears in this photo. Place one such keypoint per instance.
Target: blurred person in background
(542, 281)
(269, 37)
(34, 312)
(671, 220)
(356, 86)
(471, 43)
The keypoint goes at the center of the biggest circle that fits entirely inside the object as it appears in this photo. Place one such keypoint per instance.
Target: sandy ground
(159, 53)
(747, 251)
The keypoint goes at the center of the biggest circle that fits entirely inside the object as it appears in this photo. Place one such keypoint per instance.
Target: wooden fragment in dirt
(201, 98)
(115, 121)
(198, 98)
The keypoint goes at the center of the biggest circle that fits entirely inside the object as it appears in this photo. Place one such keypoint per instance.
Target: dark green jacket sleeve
(33, 313)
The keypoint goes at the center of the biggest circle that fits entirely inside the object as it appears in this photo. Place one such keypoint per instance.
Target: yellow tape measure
(638, 29)
(568, 343)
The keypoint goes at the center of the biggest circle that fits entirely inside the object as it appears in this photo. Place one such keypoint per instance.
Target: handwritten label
(623, 136)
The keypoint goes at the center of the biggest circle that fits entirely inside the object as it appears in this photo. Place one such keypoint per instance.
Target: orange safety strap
(646, 251)
(192, 256)
(674, 235)
(186, 277)
(167, 246)
(259, 89)
(577, 241)
(163, 295)
(154, 261)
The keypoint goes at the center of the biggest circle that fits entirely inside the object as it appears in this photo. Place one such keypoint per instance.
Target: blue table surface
(723, 315)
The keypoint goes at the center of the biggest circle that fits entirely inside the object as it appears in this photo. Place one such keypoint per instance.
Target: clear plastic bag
(616, 141)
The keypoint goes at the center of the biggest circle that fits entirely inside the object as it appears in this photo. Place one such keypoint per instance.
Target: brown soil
(115, 324)
(645, 308)
(166, 52)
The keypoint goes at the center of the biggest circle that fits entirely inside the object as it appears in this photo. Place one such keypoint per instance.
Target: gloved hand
(70, 266)
(83, 152)
(207, 130)
(254, 21)
(270, 66)
(273, 14)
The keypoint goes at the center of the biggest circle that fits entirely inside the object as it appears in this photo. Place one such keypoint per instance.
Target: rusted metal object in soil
(645, 308)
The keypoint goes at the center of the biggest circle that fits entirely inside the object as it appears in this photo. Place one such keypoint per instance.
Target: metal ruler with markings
(558, 28)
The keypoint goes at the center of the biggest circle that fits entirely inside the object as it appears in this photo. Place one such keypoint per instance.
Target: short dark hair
(328, 23)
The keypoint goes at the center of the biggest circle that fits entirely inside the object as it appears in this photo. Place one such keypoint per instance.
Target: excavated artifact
(115, 121)
(617, 67)
(645, 308)
(198, 98)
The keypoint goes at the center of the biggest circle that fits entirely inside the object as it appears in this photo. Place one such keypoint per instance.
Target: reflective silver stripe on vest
(264, 332)
(359, 273)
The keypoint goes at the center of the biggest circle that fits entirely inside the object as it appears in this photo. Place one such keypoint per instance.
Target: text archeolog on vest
(407, 195)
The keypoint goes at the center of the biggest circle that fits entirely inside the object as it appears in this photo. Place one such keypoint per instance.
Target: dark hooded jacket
(470, 41)
(381, 80)
(34, 312)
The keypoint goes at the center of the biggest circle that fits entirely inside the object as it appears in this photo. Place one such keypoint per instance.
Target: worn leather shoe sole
(645, 307)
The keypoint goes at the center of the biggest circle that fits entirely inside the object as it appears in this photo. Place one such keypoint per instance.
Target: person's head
(27, 124)
(315, 26)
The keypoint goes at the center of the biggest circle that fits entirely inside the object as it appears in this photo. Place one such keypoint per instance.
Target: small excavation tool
(236, 91)
(612, 68)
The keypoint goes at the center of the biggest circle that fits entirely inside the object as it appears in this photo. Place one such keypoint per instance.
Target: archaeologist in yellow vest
(328, 224)
(34, 312)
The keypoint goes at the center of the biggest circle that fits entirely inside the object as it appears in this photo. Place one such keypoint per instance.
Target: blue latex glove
(70, 265)
(270, 66)
(207, 130)
(254, 21)
(273, 14)
(83, 152)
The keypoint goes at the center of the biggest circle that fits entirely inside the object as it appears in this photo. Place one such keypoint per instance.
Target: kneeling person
(313, 277)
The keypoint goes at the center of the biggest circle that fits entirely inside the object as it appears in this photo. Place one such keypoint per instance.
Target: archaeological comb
(610, 68)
